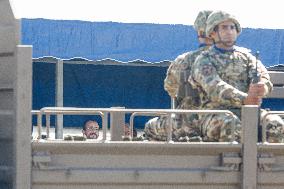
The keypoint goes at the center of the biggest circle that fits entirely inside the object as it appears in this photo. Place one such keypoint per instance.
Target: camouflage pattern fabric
(185, 127)
(156, 129)
(200, 21)
(75, 138)
(176, 84)
(225, 78)
(218, 127)
(274, 127)
(218, 17)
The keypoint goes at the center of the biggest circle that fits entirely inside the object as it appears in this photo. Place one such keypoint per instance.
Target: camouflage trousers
(157, 128)
(211, 128)
(274, 125)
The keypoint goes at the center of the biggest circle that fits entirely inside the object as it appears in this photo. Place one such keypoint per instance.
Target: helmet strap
(223, 42)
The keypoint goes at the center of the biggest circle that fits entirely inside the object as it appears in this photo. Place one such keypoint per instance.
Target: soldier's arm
(264, 79)
(219, 92)
(172, 82)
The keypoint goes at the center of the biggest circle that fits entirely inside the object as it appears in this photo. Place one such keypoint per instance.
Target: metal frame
(103, 112)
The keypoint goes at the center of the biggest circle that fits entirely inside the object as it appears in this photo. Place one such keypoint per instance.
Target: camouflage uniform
(225, 77)
(176, 85)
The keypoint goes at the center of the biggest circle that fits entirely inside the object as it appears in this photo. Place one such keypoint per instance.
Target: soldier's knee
(274, 128)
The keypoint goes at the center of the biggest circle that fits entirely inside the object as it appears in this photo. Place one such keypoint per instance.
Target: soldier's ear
(213, 36)
(84, 132)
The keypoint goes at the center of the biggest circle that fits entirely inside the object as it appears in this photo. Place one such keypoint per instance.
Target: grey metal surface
(277, 79)
(59, 98)
(15, 94)
(117, 122)
(119, 164)
(249, 126)
(22, 109)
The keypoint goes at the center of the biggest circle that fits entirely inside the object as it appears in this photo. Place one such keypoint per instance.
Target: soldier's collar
(202, 45)
(223, 50)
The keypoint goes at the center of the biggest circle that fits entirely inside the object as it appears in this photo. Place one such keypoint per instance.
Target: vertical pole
(171, 121)
(39, 124)
(47, 123)
(249, 126)
(59, 99)
(104, 125)
(117, 122)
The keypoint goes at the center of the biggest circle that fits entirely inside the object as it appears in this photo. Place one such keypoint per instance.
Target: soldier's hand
(257, 90)
(252, 100)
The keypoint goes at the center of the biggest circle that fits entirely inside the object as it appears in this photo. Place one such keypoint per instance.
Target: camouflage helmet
(218, 17)
(200, 21)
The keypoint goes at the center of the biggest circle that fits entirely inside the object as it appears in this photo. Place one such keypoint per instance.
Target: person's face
(126, 130)
(225, 35)
(91, 130)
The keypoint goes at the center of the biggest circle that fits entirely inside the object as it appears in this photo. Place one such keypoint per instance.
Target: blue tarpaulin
(126, 42)
(129, 86)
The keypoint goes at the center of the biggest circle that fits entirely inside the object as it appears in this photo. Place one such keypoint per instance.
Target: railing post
(117, 122)
(249, 128)
(104, 125)
(59, 99)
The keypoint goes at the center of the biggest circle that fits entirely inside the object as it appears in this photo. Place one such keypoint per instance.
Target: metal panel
(117, 122)
(249, 126)
(22, 99)
(277, 77)
(277, 92)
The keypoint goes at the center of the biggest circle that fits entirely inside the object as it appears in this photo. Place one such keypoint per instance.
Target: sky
(251, 13)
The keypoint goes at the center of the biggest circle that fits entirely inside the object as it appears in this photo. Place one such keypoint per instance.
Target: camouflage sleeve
(217, 90)
(264, 76)
(172, 82)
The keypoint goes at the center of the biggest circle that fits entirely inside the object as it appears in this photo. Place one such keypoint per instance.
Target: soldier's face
(91, 130)
(226, 33)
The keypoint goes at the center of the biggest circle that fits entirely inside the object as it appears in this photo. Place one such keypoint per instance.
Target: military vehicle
(109, 162)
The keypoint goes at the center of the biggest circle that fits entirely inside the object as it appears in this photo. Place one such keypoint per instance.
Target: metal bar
(133, 115)
(151, 112)
(104, 124)
(250, 125)
(59, 99)
(38, 115)
(70, 110)
(140, 112)
(96, 112)
(117, 123)
(47, 118)
(169, 128)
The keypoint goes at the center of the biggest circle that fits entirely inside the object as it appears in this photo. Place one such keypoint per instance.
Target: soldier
(227, 76)
(177, 86)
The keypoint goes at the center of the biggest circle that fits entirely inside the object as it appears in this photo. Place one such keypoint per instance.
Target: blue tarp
(101, 86)
(126, 42)
(87, 85)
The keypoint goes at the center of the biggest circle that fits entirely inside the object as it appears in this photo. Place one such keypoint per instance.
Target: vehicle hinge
(229, 162)
(41, 159)
(265, 161)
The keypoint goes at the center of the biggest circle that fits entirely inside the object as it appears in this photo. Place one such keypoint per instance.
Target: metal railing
(103, 112)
